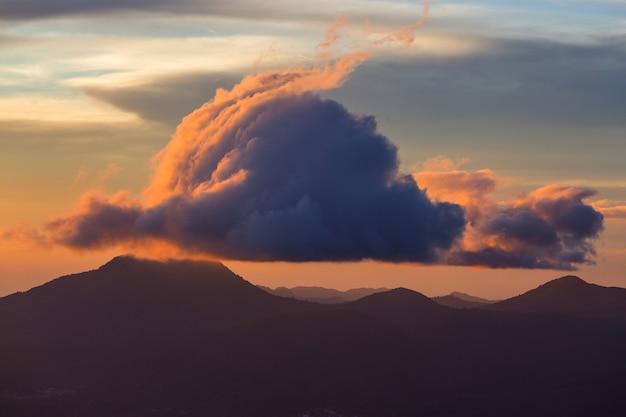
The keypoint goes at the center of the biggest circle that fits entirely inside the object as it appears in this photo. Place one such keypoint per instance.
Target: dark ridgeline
(330, 296)
(323, 295)
(184, 338)
(569, 295)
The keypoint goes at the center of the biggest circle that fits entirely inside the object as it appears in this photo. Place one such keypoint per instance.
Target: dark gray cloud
(523, 81)
(516, 81)
(522, 226)
(500, 258)
(41, 9)
(549, 228)
(102, 222)
(292, 178)
(167, 99)
(33, 9)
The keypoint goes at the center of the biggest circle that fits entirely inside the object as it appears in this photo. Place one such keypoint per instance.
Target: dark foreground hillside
(144, 338)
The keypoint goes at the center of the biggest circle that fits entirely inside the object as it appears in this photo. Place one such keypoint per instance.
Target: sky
(471, 146)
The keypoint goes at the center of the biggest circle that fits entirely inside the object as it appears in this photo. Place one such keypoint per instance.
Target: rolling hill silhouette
(403, 307)
(323, 295)
(568, 295)
(128, 297)
(188, 338)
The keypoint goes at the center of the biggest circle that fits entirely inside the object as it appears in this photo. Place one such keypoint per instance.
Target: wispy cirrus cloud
(244, 9)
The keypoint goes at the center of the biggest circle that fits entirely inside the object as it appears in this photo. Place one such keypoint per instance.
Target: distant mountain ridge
(461, 300)
(189, 338)
(323, 295)
(471, 298)
(331, 296)
(568, 295)
(403, 307)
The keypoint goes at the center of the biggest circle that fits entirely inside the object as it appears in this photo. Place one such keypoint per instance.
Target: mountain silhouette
(280, 291)
(190, 338)
(403, 307)
(467, 297)
(128, 295)
(461, 300)
(127, 314)
(568, 295)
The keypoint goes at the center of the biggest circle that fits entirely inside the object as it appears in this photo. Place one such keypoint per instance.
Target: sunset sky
(510, 114)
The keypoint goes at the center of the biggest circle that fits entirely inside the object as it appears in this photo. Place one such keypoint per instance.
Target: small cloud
(82, 176)
(23, 234)
(98, 222)
(550, 227)
(99, 179)
(110, 171)
(441, 163)
(611, 209)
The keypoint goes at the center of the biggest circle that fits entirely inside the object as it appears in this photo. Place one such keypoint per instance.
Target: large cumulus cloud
(265, 173)
(270, 170)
